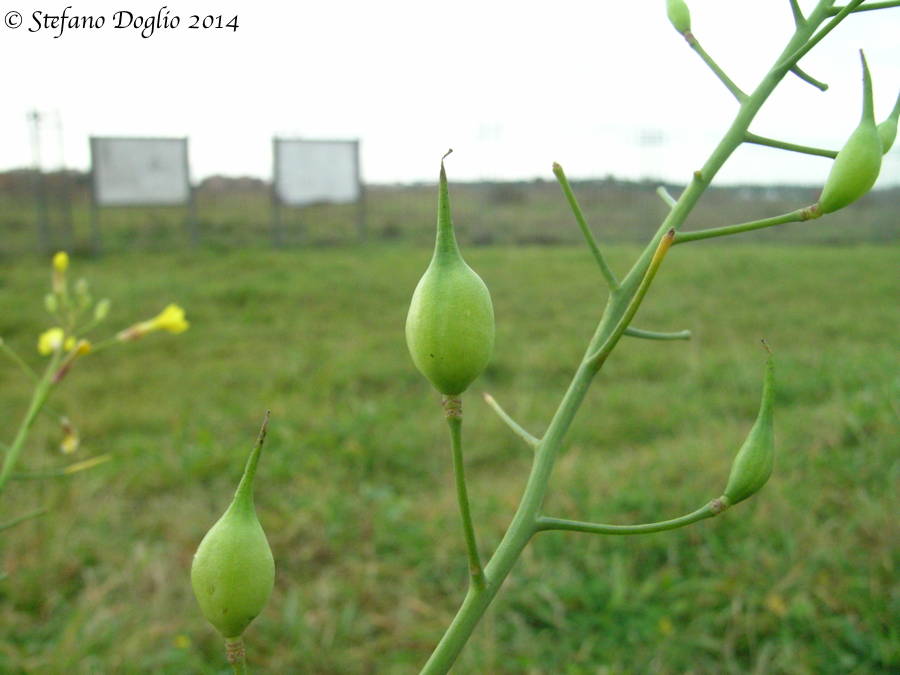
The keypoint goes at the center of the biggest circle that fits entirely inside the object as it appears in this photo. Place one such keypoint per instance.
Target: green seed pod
(233, 570)
(856, 167)
(887, 130)
(887, 133)
(753, 463)
(679, 15)
(450, 325)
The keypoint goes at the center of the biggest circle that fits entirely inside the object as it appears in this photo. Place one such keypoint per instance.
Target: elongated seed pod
(450, 324)
(753, 463)
(856, 167)
(679, 15)
(233, 570)
(887, 130)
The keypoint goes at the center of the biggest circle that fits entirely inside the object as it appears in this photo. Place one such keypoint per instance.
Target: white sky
(511, 86)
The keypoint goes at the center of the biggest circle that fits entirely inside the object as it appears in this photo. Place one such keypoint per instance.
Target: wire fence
(41, 212)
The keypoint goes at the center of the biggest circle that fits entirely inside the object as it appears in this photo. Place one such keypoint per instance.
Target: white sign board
(140, 171)
(307, 172)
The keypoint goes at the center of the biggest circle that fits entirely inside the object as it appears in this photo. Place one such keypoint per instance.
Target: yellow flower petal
(170, 319)
(50, 341)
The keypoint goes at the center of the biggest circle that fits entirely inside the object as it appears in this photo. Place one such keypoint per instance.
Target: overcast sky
(601, 87)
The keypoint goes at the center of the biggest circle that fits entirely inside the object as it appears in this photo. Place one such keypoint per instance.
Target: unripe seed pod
(233, 570)
(887, 130)
(887, 133)
(679, 15)
(753, 463)
(856, 167)
(450, 325)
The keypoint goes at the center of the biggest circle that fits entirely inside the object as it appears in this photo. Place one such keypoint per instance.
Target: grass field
(355, 485)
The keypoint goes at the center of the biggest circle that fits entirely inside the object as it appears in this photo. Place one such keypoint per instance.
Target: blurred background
(296, 264)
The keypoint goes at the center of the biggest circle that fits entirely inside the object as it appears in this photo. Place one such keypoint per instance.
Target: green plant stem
(585, 229)
(656, 335)
(793, 147)
(839, 16)
(597, 358)
(809, 79)
(799, 19)
(237, 655)
(511, 423)
(524, 521)
(867, 7)
(727, 81)
(21, 519)
(709, 510)
(792, 217)
(18, 360)
(63, 471)
(38, 398)
(453, 405)
(665, 196)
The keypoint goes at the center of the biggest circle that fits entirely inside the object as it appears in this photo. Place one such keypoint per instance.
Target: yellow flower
(61, 262)
(50, 341)
(171, 319)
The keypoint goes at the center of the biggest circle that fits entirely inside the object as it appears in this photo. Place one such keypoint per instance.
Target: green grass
(355, 486)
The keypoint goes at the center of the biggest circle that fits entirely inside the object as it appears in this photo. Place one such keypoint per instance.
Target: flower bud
(233, 571)
(856, 167)
(60, 262)
(450, 325)
(83, 292)
(753, 463)
(51, 304)
(101, 310)
(679, 15)
(60, 265)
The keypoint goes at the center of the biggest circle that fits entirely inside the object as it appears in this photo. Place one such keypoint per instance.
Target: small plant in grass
(65, 346)
(450, 325)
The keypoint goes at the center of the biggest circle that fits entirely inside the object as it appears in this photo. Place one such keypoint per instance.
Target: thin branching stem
(18, 360)
(791, 147)
(867, 7)
(656, 335)
(62, 472)
(818, 37)
(453, 408)
(516, 428)
(23, 518)
(809, 79)
(799, 19)
(41, 391)
(585, 228)
(596, 359)
(793, 217)
(666, 197)
(709, 510)
(735, 90)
